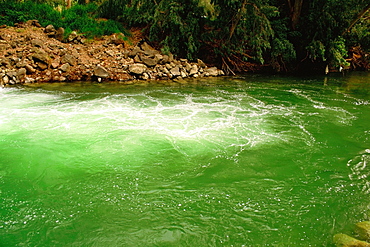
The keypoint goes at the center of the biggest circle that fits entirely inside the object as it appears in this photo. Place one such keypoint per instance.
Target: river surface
(240, 161)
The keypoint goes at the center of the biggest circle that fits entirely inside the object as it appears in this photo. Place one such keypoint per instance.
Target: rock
(137, 68)
(55, 63)
(33, 23)
(150, 62)
(59, 34)
(135, 52)
(65, 67)
(68, 58)
(5, 79)
(37, 43)
(187, 67)
(29, 80)
(72, 36)
(110, 53)
(42, 65)
(213, 71)
(175, 71)
(183, 74)
(201, 63)
(21, 73)
(343, 240)
(101, 72)
(145, 76)
(363, 230)
(29, 69)
(50, 29)
(137, 59)
(41, 56)
(148, 50)
(193, 70)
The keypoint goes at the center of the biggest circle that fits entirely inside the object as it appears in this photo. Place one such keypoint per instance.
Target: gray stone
(55, 63)
(65, 67)
(175, 71)
(59, 34)
(21, 73)
(37, 43)
(42, 65)
(110, 53)
(187, 66)
(137, 68)
(201, 63)
(213, 71)
(49, 29)
(193, 70)
(72, 36)
(150, 62)
(68, 58)
(41, 56)
(30, 69)
(5, 79)
(135, 51)
(137, 59)
(183, 74)
(101, 72)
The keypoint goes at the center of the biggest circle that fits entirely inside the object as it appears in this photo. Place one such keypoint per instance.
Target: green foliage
(12, 12)
(81, 18)
(337, 52)
(316, 51)
(257, 31)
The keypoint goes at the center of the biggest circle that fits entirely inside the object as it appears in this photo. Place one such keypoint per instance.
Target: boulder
(37, 43)
(137, 68)
(55, 63)
(150, 62)
(175, 71)
(135, 52)
(193, 70)
(30, 69)
(201, 63)
(68, 58)
(33, 23)
(148, 50)
(101, 72)
(41, 57)
(343, 240)
(21, 74)
(72, 36)
(213, 71)
(59, 34)
(65, 67)
(49, 29)
(363, 230)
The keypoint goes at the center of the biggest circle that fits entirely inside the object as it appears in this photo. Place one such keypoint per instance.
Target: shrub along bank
(236, 36)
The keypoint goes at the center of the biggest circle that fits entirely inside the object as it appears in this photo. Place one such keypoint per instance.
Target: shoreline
(31, 53)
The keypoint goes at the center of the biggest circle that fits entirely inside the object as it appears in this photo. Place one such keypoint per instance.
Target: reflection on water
(214, 162)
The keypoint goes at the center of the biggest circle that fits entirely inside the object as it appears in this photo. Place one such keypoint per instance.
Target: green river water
(240, 161)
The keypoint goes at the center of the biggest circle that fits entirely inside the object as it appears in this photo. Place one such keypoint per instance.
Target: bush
(81, 18)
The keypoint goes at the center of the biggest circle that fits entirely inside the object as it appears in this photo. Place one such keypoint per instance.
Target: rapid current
(231, 161)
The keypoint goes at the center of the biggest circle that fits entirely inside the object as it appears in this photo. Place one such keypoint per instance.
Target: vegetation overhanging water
(253, 161)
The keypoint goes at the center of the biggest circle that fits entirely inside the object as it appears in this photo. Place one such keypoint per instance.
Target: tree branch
(359, 16)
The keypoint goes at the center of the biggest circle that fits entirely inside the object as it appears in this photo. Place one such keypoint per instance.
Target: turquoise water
(241, 161)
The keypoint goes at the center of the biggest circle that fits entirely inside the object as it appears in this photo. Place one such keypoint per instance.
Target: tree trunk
(68, 3)
(295, 9)
(359, 16)
(234, 24)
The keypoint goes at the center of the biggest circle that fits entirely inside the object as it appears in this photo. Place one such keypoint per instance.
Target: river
(233, 161)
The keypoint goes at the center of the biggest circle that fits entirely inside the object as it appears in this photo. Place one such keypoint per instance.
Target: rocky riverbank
(30, 53)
